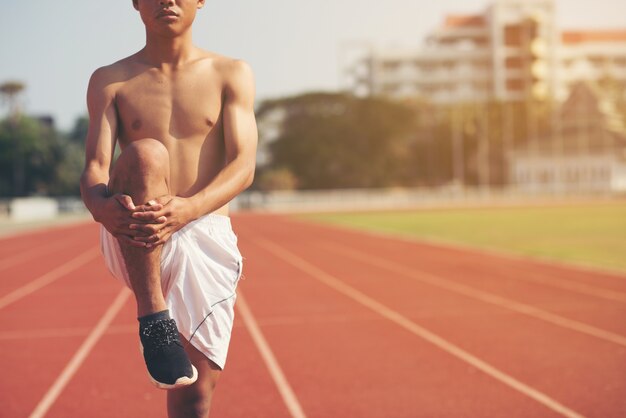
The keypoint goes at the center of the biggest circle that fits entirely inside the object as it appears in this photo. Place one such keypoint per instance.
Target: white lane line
(81, 354)
(411, 326)
(63, 332)
(577, 287)
(30, 253)
(49, 277)
(541, 261)
(289, 397)
(548, 280)
(500, 301)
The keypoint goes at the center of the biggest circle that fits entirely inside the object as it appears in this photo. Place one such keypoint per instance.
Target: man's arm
(113, 212)
(240, 139)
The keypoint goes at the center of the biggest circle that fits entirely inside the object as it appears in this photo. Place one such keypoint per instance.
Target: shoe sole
(179, 383)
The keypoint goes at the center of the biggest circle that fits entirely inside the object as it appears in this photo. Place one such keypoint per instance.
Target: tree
(10, 91)
(34, 156)
(277, 179)
(339, 141)
(27, 156)
(79, 131)
(50, 163)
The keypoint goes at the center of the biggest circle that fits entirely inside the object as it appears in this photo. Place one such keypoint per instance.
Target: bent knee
(146, 150)
(144, 153)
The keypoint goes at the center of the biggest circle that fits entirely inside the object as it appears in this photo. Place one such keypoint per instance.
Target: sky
(293, 46)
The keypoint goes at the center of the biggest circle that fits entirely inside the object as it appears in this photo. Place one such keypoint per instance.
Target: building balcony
(453, 34)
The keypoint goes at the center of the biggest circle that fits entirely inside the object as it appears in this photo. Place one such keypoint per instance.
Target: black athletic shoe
(168, 364)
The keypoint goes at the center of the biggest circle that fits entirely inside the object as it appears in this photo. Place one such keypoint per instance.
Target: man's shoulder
(115, 72)
(234, 72)
(229, 65)
(230, 70)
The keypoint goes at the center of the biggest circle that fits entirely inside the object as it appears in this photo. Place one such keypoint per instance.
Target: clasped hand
(148, 225)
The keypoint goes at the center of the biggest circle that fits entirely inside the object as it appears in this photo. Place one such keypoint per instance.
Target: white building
(587, 155)
(513, 51)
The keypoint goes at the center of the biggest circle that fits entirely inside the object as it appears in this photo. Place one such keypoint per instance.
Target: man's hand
(162, 217)
(116, 217)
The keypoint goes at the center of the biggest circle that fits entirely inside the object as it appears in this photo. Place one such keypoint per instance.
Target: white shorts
(200, 268)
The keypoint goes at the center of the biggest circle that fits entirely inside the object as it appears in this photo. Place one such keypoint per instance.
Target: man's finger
(160, 241)
(146, 236)
(149, 208)
(145, 228)
(125, 200)
(135, 233)
(125, 240)
(151, 216)
(144, 240)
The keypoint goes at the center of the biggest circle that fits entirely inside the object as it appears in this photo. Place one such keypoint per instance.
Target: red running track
(330, 323)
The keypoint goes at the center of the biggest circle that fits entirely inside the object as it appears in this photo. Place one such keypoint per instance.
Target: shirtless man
(185, 124)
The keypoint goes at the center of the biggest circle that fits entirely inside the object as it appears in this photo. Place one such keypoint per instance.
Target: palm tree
(10, 91)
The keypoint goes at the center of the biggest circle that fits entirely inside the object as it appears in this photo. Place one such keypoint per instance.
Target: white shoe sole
(179, 383)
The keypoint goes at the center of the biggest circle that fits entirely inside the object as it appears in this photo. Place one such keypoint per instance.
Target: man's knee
(143, 163)
(145, 153)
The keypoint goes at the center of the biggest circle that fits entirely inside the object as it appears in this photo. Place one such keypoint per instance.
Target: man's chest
(159, 107)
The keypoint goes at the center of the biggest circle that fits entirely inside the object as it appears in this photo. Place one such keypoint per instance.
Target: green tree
(339, 141)
(27, 156)
(79, 130)
(277, 179)
(70, 153)
(37, 159)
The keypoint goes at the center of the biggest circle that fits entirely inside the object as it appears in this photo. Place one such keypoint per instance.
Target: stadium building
(587, 155)
(511, 52)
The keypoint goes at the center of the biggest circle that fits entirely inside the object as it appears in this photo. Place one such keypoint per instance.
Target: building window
(514, 84)
(514, 63)
(597, 60)
(513, 35)
(391, 65)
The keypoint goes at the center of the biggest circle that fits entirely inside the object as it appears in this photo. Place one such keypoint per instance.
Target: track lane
(112, 381)
(341, 360)
(48, 278)
(13, 245)
(73, 301)
(477, 293)
(366, 368)
(411, 326)
(534, 349)
(78, 358)
(463, 255)
(482, 272)
(40, 360)
(22, 268)
(538, 348)
(273, 367)
(31, 254)
(38, 336)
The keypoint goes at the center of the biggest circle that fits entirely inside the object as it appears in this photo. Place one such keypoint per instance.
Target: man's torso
(180, 108)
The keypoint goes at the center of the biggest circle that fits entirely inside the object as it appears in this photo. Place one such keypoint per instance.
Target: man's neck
(168, 53)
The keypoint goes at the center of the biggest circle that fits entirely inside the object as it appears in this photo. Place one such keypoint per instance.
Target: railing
(391, 199)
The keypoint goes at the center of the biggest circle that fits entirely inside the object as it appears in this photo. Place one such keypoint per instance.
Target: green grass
(593, 234)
